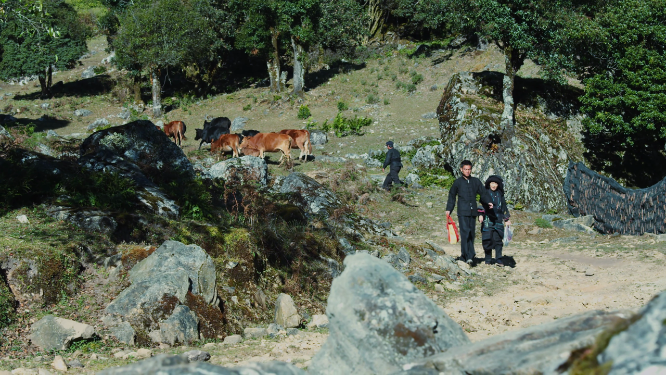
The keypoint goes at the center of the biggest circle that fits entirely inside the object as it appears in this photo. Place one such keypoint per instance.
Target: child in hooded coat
(493, 220)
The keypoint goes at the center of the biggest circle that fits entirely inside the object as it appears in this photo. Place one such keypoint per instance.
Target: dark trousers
(492, 240)
(392, 178)
(467, 228)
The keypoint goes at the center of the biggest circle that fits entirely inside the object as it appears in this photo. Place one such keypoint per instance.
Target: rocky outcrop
(241, 170)
(91, 220)
(380, 321)
(286, 313)
(165, 286)
(534, 350)
(52, 333)
(533, 159)
(309, 195)
(138, 151)
(163, 364)
(615, 209)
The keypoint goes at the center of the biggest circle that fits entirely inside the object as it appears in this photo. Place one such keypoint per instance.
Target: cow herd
(248, 142)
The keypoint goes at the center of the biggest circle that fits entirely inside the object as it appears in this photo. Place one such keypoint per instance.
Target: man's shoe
(499, 263)
(469, 261)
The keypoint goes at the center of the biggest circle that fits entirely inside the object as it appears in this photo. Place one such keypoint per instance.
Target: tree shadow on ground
(320, 77)
(97, 85)
(41, 124)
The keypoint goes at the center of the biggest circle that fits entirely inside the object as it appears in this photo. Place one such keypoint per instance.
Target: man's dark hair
(465, 162)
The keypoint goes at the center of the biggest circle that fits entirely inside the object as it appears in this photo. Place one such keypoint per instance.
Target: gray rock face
(428, 157)
(98, 124)
(109, 59)
(238, 124)
(197, 355)
(181, 327)
(82, 113)
(125, 114)
(5, 134)
(318, 137)
(534, 350)
(642, 347)
(311, 196)
(380, 321)
(89, 72)
(51, 333)
(241, 170)
(175, 365)
(124, 333)
(90, 220)
(531, 164)
(286, 313)
(580, 224)
(130, 150)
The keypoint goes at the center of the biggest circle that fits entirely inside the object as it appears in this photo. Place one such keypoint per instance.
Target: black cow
(249, 133)
(212, 130)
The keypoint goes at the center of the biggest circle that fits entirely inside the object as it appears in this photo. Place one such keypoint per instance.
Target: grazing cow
(301, 141)
(175, 130)
(227, 142)
(268, 142)
(249, 133)
(213, 130)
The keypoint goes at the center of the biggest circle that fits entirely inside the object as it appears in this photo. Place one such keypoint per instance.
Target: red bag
(454, 236)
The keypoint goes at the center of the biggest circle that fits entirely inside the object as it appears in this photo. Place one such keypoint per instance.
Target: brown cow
(301, 141)
(227, 142)
(175, 130)
(269, 142)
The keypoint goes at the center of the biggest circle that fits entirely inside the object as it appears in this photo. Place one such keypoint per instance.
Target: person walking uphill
(392, 159)
(492, 229)
(466, 188)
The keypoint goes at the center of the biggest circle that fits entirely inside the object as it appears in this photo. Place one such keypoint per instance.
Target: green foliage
(109, 191)
(372, 99)
(436, 177)
(343, 126)
(342, 106)
(311, 124)
(247, 107)
(542, 223)
(304, 112)
(7, 305)
(99, 69)
(417, 78)
(386, 101)
(409, 87)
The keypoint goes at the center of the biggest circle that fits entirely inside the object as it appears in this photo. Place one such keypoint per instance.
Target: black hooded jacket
(392, 158)
(466, 190)
(500, 212)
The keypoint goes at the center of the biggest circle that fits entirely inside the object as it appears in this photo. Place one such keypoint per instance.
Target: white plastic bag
(508, 234)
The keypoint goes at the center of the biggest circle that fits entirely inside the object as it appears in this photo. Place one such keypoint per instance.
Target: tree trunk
(274, 63)
(136, 88)
(377, 15)
(513, 60)
(157, 97)
(45, 83)
(298, 66)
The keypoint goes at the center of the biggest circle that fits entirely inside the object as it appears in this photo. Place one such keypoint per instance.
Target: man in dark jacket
(466, 188)
(392, 159)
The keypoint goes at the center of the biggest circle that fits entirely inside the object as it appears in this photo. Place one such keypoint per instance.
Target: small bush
(437, 177)
(394, 77)
(417, 78)
(304, 112)
(372, 99)
(343, 126)
(542, 223)
(247, 107)
(386, 101)
(403, 70)
(99, 69)
(342, 106)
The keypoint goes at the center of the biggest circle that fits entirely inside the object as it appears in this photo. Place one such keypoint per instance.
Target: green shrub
(394, 77)
(436, 177)
(99, 69)
(247, 107)
(542, 223)
(343, 126)
(372, 99)
(417, 78)
(386, 101)
(342, 106)
(304, 112)
(403, 70)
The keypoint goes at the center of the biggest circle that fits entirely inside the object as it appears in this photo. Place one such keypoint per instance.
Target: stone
(196, 356)
(534, 231)
(379, 321)
(144, 353)
(59, 364)
(82, 113)
(416, 278)
(4, 133)
(435, 247)
(254, 333)
(428, 204)
(430, 115)
(274, 329)
(404, 256)
(90, 220)
(318, 137)
(427, 157)
(533, 350)
(97, 124)
(292, 331)
(22, 219)
(589, 271)
(124, 333)
(232, 340)
(242, 170)
(89, 72)
(75, 363)
(286, 313)
(238, 124)
(318, 321)
(51, 333)
(181, 327)
(109, 59)
(163, 364)
(41, 371)
(313, 198)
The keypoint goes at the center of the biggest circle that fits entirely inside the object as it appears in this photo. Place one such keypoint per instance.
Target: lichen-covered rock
(241, 170)
(311, 196)
(91, 220)
(124, 333)
(533, 159)
(52, 333)
(286, 313)
(380, 321)
(180, 327)
(318, 137)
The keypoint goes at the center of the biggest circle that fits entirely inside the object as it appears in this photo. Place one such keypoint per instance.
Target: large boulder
(540, 349)
(143, 154)
(533, 158)
(309, 195)
(380, 321)
(165, 285)
(164, 364)
(52, 333)
(241, 170)
(318, 137)
(286, 313)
